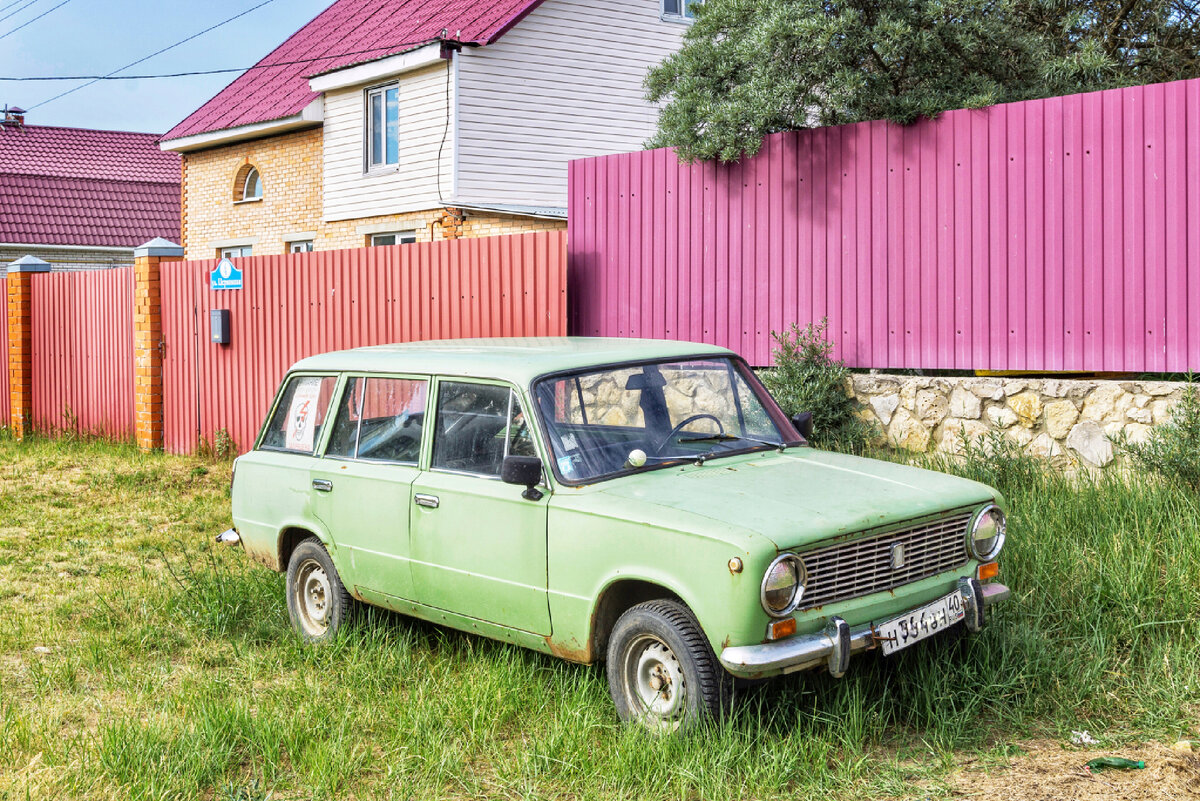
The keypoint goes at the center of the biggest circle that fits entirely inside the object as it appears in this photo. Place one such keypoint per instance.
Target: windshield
(633, 417)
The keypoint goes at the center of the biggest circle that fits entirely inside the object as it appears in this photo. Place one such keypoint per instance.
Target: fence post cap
(29, 264)
(157, 247)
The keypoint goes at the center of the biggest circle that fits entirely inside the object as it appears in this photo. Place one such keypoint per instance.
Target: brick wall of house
(69, 259)
(290, 166)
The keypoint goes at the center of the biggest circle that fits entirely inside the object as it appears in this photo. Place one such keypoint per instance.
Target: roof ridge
(27, 126)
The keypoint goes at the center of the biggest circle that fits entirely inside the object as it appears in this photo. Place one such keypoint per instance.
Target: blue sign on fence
(225, 276)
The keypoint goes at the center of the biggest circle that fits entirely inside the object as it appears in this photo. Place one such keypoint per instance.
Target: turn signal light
(988, 570)
(783, 628)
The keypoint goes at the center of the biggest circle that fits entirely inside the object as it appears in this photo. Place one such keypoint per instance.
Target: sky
(95, 37)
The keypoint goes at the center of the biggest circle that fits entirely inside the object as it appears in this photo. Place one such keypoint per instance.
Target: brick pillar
(147, 341)
(20, 341)
(451, 221)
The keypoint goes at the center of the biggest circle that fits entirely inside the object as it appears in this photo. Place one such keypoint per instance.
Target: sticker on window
(302, 414)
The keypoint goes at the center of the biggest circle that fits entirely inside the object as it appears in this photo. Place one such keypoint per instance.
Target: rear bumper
(838, 642)
(229, 537)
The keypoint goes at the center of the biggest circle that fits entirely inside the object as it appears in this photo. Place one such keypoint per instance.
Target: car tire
(317, 601)
(661, 671)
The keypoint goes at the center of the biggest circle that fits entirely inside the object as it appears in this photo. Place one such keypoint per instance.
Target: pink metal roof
(348, 32)
(73, 186)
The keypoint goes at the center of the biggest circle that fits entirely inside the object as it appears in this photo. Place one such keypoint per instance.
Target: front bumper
(838, 641)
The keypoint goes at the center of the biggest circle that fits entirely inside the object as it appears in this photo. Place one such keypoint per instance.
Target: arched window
(248, 184)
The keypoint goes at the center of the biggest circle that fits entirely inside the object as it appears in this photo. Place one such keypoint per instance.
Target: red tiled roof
(73, 186)
(348, 32)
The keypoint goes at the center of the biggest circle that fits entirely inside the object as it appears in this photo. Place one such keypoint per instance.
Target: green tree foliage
(749, 68)
(806, 378)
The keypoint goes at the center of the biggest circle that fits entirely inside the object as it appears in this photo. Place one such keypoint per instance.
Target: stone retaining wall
(1068, 422)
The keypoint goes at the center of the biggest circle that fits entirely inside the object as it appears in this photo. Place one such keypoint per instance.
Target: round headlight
(987, 534)
(783, 585)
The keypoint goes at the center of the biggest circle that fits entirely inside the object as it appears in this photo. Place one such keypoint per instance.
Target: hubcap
(313, 597)
(654, 683)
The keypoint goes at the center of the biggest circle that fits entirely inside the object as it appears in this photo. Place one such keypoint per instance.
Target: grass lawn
(171, 671)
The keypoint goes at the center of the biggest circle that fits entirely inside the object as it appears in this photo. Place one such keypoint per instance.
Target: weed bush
(806, 378)
(1173, 449)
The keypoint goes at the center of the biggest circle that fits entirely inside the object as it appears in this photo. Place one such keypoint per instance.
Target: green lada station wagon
(637, 502)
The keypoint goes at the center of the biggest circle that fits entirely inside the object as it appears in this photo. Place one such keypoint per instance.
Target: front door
(362, 488)
(478, 546)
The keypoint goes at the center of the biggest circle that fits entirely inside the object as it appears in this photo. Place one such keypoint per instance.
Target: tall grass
(174, 674)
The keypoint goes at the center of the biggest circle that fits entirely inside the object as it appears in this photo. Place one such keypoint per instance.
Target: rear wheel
(661, 671)
(317, 602)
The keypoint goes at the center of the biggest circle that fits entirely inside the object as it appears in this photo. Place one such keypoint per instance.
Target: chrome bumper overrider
(838, 641)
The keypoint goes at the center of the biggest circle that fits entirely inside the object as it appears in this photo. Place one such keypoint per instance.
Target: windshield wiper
(782, 446)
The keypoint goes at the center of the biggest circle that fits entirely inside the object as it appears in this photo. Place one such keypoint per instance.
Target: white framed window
(300, 246)
(678, 10)
(383, 126)
(236, 252)
(252, 189)
(394, 238)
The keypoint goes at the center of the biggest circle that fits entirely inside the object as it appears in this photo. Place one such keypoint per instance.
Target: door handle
(322, 485)
(421, 499)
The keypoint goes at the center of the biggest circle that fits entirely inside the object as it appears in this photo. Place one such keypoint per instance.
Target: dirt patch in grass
(1049, 771)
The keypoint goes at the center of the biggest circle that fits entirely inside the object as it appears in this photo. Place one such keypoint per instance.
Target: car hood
(800, 496)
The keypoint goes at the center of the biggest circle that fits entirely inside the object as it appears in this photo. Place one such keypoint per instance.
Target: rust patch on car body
(572, 651)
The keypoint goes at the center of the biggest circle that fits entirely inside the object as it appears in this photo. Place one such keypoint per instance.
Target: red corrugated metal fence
(296, 305)
(1059, 234)
(83, 351)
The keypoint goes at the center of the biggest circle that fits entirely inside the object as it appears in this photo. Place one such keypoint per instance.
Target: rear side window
(296, 424)
(380, 419)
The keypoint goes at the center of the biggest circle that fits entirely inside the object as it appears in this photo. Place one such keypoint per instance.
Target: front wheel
(317, 602)
(661, 671)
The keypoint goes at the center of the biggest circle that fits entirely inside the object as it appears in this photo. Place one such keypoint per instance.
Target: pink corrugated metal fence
(1059, 234)
(296, 305)
(5, 399)
(83, 351)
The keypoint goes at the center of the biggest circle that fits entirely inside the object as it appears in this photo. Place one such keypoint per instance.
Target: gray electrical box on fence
(218, 324)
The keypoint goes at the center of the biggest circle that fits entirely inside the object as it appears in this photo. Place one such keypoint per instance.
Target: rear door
(362, 488)
(478, 546)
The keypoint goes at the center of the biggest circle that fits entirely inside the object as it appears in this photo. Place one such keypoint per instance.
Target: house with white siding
(389, 121)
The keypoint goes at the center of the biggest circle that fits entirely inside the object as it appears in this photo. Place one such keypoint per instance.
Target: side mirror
(803, 423)
(525, 471)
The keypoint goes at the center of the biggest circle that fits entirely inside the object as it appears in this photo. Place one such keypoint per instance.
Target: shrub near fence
(296, 305)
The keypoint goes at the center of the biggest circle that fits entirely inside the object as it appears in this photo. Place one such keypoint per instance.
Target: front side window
(601, 423)
(235, 252)
(296, 423)
(393, 238)
(300, 246)
(380, 419)
(383, 126)
(477, 426)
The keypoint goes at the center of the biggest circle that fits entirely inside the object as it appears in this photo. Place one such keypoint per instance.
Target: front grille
(863, 566)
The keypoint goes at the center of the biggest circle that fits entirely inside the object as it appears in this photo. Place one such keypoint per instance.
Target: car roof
(515, 359)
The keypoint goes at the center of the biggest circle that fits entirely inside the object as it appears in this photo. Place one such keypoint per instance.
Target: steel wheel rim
(313, 595)
(654, 683)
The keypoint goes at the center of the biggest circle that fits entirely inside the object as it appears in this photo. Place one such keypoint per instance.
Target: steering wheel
(682, 423)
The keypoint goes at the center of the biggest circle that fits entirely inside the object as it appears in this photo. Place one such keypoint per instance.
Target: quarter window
(383, 126)
(296, 424)
(380, 419)
(477, 426)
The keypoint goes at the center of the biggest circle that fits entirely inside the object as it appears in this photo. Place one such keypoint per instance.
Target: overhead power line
(35, 19)
(152, 55)
(10, 5)
(114, 77)
(18, 11)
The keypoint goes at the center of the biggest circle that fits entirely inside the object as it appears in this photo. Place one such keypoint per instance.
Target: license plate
(925, 621)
